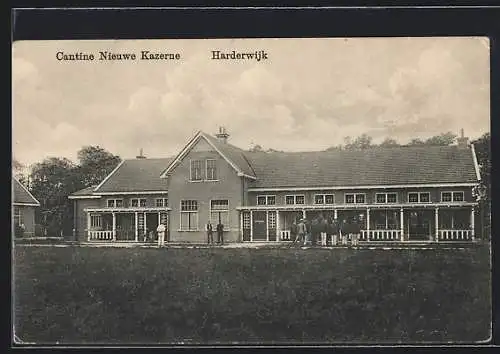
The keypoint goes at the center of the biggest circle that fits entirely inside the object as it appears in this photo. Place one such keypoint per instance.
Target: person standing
(161, 234)
(315, 231)
(356, 231)
(293, 230)
(210, 232)
(334, 231)
(220, 233)
(344, 231)
(323, 231)
(301, 232)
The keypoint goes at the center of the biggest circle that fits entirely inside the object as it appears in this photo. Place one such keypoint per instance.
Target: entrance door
(420, 225)
(259, 226)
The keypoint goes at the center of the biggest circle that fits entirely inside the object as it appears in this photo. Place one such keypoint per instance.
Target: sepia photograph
(213, 192)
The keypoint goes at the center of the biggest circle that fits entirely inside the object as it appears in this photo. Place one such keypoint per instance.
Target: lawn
(95, 295)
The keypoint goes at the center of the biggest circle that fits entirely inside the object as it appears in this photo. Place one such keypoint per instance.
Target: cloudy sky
(308, 95)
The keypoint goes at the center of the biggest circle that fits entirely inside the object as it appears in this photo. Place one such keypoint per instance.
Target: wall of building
(80, 223)
(228, 186)
(28, 218)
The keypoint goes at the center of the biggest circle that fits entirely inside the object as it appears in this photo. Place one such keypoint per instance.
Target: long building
(407, 193)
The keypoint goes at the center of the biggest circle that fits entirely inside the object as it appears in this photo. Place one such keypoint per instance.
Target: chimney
(222, 135)
(140, 156)
(463, 142)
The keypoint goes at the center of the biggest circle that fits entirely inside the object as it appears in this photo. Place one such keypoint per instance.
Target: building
(23, 212)
(413, 193)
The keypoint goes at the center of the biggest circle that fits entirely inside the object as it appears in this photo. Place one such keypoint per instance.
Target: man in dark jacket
(355, 231)
(333, 231)
(315, 230)
(220, 233)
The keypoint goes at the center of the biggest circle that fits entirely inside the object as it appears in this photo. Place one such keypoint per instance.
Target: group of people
(327, 231)
(219, 228)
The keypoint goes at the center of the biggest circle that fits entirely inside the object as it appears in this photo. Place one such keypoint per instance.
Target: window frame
(355, 198)
(139, 200)
(266, 196)
(452, 196)
(96, 221)
(447, 201)
(17, 214)
(114, 202)
(419, 197)
(197, 226)
(323, 197)
(294, 196)
(191, 161)
(386, 197)
(214, 169)
(226, 225)
(164, 202)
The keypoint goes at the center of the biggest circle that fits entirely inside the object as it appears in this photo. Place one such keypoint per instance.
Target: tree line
(52, 180)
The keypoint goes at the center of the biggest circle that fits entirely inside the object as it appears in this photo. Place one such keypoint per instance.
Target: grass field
(89, 295)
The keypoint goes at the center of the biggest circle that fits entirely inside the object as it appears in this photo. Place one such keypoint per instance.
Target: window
(95, 221)
(211, 170)
(161, 202)
(294, 199)
(219, 211)
(452, 196)
(266, 200)
(271, 220)
(425, 197)
(136, 202)
(196, 170)
(324, 199)
(446, 196)
(355, 198)
(189, 215)
(360, 198)
(246, 221)
(412, 197)
(115, 203)
(458, 196)
(18, 216)
(419, 197)
(386, 197)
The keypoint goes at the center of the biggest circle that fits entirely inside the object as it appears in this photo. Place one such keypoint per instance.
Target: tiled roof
(22, 195)
(377, 166)
(137, 175)
(234, 154)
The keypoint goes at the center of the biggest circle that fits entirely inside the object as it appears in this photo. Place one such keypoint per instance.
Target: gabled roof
(136, 175)
(232, 154)
(21, 195)
(371, 167)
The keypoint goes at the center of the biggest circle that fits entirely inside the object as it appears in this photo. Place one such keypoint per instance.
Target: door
(259, 226)
(420, 225)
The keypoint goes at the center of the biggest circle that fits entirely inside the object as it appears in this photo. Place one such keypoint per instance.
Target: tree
(415, 141)
(364, 141)
(443, 139)
(95, 163)
(389, 142)
(52, 181)
(18, 172)
(256, 148)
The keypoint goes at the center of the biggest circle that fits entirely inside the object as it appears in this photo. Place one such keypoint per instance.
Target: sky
(308, 95)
